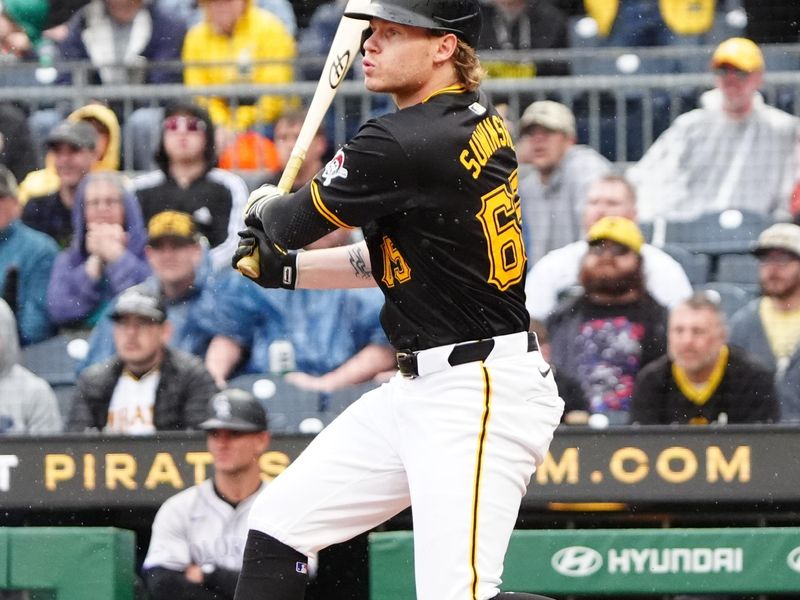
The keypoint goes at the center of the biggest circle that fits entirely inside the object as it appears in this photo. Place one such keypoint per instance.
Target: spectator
(16, 146)
(557, 273)
(121, 38)
(187, 181)
(27, 403)
(287, 128)
(769, 326)
(198, 535)
(191, 14)
(606, 335)
(72, 148)
(576, 408)
(733, 152)
(146, 386)
(552, 194)
(261, 47)
(22, 22)
(645, 23)
(336, 334)
(522, 25)
(701, 380)
(180, 276)
(26, 260)
(106, 255)
(106, 149)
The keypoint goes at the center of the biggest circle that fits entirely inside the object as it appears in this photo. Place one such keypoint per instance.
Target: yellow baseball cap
(617, 229)
(172, 224)
(738, 52)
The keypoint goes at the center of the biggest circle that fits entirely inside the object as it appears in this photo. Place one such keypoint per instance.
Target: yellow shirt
(781, 328)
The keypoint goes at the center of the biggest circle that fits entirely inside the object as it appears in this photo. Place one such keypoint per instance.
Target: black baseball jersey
(434, 189)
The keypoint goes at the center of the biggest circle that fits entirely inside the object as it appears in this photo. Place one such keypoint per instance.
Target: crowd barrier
(73, 563)
(613, 562)
(716, 466)
(618, 113)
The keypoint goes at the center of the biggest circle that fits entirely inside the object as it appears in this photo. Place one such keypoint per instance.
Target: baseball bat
(344, 49)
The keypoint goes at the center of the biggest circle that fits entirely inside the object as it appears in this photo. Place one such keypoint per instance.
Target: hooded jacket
(72, 296)
(27, 403)
(45, 181)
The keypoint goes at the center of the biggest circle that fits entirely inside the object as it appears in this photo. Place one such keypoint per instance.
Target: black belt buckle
(407, 363)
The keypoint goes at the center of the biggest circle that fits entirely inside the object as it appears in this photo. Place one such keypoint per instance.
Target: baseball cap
(738, 52)
(550, 115)
(781, 236)
(235, 409)
(617, 229)
(139, 302)
(79, 135)
(172, 224)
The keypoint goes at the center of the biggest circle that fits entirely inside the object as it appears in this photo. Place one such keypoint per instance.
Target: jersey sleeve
(169, 545)
(370, 177)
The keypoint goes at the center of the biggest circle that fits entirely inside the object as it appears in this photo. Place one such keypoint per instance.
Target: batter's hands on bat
(257, 200)
(277, 267)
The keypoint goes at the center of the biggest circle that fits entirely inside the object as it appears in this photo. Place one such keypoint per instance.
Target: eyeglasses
(183, 123)
(724, 70)
(612, 248)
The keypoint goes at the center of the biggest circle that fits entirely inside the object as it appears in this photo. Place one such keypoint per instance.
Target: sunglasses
(610, 247)
(183, 123)
(726, 70)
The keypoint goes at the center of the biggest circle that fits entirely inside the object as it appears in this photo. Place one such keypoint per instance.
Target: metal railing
(617, 114)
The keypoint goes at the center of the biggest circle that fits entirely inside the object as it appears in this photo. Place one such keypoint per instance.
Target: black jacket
(181, 401)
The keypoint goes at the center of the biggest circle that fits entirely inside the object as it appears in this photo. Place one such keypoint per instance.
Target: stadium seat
(696, 266)
(730, 231)
(287, 406)
(53, 359)
(741, 269)
(731, 296)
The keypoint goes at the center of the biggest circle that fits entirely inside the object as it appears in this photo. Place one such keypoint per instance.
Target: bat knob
(248, 266)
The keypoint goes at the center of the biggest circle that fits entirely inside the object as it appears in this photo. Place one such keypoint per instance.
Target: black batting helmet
(462, 17)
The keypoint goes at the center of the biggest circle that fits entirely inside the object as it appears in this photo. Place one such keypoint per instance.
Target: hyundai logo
(577, 561)
(793, 559)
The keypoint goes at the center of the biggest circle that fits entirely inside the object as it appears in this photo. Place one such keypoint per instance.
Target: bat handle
(248, 265)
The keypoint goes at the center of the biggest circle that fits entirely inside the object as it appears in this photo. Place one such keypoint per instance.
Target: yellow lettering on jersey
(488, 137)
(500, 217)
(395, 267)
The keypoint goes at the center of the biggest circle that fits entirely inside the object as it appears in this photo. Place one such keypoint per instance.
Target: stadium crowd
(663, 290)
(604, 238)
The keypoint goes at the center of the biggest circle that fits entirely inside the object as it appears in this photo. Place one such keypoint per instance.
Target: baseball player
(457, 433)
(199, 534)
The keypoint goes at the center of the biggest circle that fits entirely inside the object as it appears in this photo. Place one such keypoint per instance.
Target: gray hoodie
(27, 403)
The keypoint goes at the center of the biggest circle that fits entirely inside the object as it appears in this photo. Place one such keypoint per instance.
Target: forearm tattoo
(360, 268)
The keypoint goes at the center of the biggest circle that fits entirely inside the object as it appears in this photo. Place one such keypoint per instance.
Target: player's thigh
(467, 483)
(348, 480)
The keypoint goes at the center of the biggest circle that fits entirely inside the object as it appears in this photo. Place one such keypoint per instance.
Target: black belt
(461, 354)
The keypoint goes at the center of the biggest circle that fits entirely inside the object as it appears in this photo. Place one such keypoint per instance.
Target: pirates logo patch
(335, 168)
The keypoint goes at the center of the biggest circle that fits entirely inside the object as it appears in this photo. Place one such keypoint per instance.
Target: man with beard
(702, 380)
(609, 332)
(769, 327)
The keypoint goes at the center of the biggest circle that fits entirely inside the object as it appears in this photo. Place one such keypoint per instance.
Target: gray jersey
(196, 526)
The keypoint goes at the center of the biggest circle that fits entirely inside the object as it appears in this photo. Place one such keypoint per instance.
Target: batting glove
(258, 199)
(277, 267)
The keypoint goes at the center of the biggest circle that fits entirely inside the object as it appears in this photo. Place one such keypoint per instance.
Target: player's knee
(519, 596)
(271, 565)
